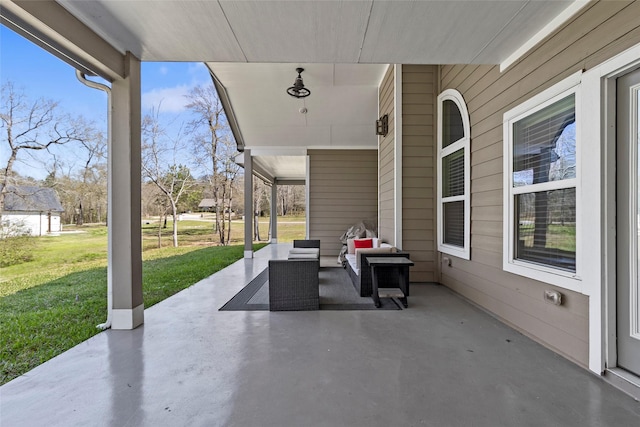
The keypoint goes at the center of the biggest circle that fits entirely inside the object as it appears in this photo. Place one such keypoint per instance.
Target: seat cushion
(314, 251)
(371, 251)
(304, 255)
(351, 259)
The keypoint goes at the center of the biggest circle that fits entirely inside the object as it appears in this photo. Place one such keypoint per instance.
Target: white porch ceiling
(358, 31)
(253, 47)
(341, 109)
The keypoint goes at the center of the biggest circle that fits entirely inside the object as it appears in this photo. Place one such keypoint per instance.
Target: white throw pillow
(351, 247)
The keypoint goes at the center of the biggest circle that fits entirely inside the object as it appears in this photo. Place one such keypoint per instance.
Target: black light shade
(298, 90)
(382, 125)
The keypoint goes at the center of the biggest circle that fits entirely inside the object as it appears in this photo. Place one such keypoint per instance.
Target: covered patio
(430, 70)
(442, 362)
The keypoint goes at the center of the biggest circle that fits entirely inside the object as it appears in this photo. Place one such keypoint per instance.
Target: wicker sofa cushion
(351, 259)
(310, 252)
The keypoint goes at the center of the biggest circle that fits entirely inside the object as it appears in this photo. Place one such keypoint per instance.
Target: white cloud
(173, 99)
(169, 99)
(198, 68)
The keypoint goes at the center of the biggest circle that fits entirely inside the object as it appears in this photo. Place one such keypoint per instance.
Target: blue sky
(43, 75)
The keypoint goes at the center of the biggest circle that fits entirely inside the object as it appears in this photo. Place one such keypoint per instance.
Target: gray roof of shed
(31, 199)
(207, 203)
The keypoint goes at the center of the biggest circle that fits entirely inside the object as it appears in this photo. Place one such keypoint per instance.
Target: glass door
(628, 222)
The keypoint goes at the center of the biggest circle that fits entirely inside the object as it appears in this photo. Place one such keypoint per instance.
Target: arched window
(454, 174)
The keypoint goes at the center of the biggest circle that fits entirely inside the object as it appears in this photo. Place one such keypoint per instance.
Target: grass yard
(196, 230)
(55, 301)
(55, 257)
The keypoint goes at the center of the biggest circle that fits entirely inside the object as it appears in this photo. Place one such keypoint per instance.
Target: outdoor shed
(31, 210)
(207, 205)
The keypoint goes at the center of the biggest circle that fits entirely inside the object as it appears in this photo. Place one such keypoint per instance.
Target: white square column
(124, 174)
(274, 213)
(248, 204)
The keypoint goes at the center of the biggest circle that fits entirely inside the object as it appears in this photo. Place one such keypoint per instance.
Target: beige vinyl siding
(386, 153)
(343, 188)
(599, 32)
(419, 84)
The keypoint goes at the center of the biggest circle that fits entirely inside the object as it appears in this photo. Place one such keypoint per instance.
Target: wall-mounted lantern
(382, 125)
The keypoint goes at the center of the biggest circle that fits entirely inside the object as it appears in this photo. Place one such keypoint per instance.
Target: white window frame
(465, 144)
(548, 274)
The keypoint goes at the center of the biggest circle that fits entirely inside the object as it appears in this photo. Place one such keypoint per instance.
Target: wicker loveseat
(360, 272)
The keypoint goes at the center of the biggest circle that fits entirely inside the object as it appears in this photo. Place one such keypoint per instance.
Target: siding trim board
(548, 29)
(397, 155)
(386, 159)
(307, 196)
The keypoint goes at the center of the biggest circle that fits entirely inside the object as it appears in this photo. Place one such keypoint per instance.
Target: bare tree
(259, 198)
(291, 199)
(228, 174)
(163, 208)
(30, 126)
(80, 177)
(159, 165)
(93, 178)
(213, 145)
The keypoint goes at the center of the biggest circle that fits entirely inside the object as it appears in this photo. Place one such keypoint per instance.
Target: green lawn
(201, 231)
(55, 301)
(55, 257)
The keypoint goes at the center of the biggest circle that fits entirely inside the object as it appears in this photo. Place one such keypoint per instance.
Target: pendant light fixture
(298, 90)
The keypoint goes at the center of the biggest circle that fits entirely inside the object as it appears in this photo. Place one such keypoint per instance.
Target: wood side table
(401, 264)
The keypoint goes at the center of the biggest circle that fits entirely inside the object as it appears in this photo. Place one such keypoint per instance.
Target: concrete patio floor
(441, 362)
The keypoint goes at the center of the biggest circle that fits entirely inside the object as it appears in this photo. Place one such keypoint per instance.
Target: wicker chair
(294, 285)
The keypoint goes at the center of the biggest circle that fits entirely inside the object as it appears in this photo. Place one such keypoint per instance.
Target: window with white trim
(454, 207)
(541, 186)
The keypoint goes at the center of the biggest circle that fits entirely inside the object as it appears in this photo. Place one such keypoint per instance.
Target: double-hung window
(541, 186)
(454, 210)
